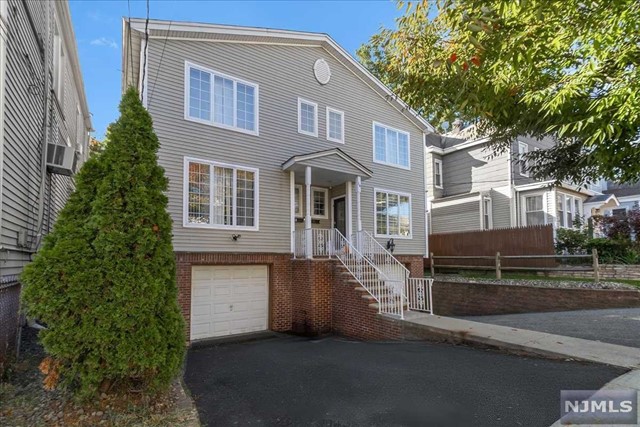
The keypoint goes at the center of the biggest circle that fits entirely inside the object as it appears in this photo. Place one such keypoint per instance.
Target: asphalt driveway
(294, 381)
(615, 326)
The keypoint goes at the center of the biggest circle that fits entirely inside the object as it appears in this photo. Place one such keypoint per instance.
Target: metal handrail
(370, 247)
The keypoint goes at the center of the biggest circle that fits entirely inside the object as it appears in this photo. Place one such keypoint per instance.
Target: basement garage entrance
(229, 300)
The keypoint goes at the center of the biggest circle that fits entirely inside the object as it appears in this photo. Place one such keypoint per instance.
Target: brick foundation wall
(477, 299)
(279, 281)
(414, 263)
(311, 283)
(607, 271)
(352, 317)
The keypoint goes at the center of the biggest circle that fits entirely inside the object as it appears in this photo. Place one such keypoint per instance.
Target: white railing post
(307, 216)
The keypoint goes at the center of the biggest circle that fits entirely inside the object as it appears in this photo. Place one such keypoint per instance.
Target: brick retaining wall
(607, 271)
(477, 299)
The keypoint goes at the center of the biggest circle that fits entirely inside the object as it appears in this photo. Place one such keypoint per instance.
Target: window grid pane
(223, 101)
(307, 117)
(380, 143)
(335, 125)
(199, 94)
(199, 193)
(319, 203)
(223, 196)
(245, 197)
(404, 218)
(391, 146)
(246, 107)
(560, 213)
(381, 213)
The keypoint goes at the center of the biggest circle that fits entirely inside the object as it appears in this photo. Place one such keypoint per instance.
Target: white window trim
(522, 166)
(256, 89)
(315, 109)
(373, 140)
(300, 199)
(564, 197)
(483, 213)
(326, 203)
(523, 208)
(333, 110)
(439, 162)
(185, 196)
(375, 226)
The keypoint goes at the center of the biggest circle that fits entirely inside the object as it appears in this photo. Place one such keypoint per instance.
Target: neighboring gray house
(627, 195)
(469, 188)
(271, 141)
(44, 125)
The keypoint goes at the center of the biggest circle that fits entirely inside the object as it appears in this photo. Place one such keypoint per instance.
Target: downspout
(43, 154)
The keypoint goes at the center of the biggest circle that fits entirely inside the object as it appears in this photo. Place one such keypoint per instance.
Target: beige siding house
(471, 188)
(44, 125)
(276, 143)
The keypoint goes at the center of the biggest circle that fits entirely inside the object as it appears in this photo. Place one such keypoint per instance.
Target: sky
(98, 30)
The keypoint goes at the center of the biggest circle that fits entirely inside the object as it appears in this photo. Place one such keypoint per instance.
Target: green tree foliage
(565, 68)
(104, 280)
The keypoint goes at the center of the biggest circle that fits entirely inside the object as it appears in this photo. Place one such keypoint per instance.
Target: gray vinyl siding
(283, 74)
(501, 205)
(474, 169)
(25, 100)
(463, 216)
(533, 143)
(432, 190)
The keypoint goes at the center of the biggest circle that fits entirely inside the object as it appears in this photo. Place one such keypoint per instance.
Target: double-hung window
(307, 117)
(319, 199)
(523, 165)
(390, 146)
(393, 214)
(437, 173)
(560, 212)
(218, 195)
(569, 209)
(220, 100)
(534, 210)
(335, 125)
(487, 213)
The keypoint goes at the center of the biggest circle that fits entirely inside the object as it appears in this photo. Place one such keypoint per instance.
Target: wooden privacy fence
(479, 248)
(560, 263)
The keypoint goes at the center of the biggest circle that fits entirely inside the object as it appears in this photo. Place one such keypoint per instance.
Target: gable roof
(163, 29)
(349, 164)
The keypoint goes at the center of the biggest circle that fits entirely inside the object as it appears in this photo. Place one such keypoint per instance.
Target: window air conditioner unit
(60, 159)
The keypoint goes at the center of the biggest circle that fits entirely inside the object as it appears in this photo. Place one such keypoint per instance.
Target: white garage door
(228, 300)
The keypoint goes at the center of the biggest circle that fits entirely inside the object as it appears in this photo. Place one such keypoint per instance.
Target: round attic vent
(322, 71)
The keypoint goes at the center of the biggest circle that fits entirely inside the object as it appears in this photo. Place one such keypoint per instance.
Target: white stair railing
(419, 295)
(388, 293)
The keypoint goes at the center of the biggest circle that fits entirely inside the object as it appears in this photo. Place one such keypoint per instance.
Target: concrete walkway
(521, 340)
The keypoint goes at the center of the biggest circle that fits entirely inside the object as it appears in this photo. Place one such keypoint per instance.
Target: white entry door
(229, 300)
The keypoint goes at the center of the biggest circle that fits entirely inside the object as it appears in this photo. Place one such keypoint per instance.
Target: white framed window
(620, 212)
(390, 146)
(437, 173)
(487, 213)
(307, 117)
(577, 213)
(523, 165)
(335, 125)
(219, 195)
(220, 100)
(298, 201)
(560, 211)
(319, 202)
(570, 216)
(393, 214)
(533, 209)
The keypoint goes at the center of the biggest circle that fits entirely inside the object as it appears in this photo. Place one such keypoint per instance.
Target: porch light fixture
(235, 237)
(391, 245)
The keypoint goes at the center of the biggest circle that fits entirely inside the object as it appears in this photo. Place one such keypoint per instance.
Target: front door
(340, 215)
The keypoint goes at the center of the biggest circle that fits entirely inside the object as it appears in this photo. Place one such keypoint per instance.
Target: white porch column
(349, 208)
(292, 192)
(358, 210)
(307, 215)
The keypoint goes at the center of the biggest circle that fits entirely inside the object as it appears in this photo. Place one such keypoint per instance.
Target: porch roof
(329, 167)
